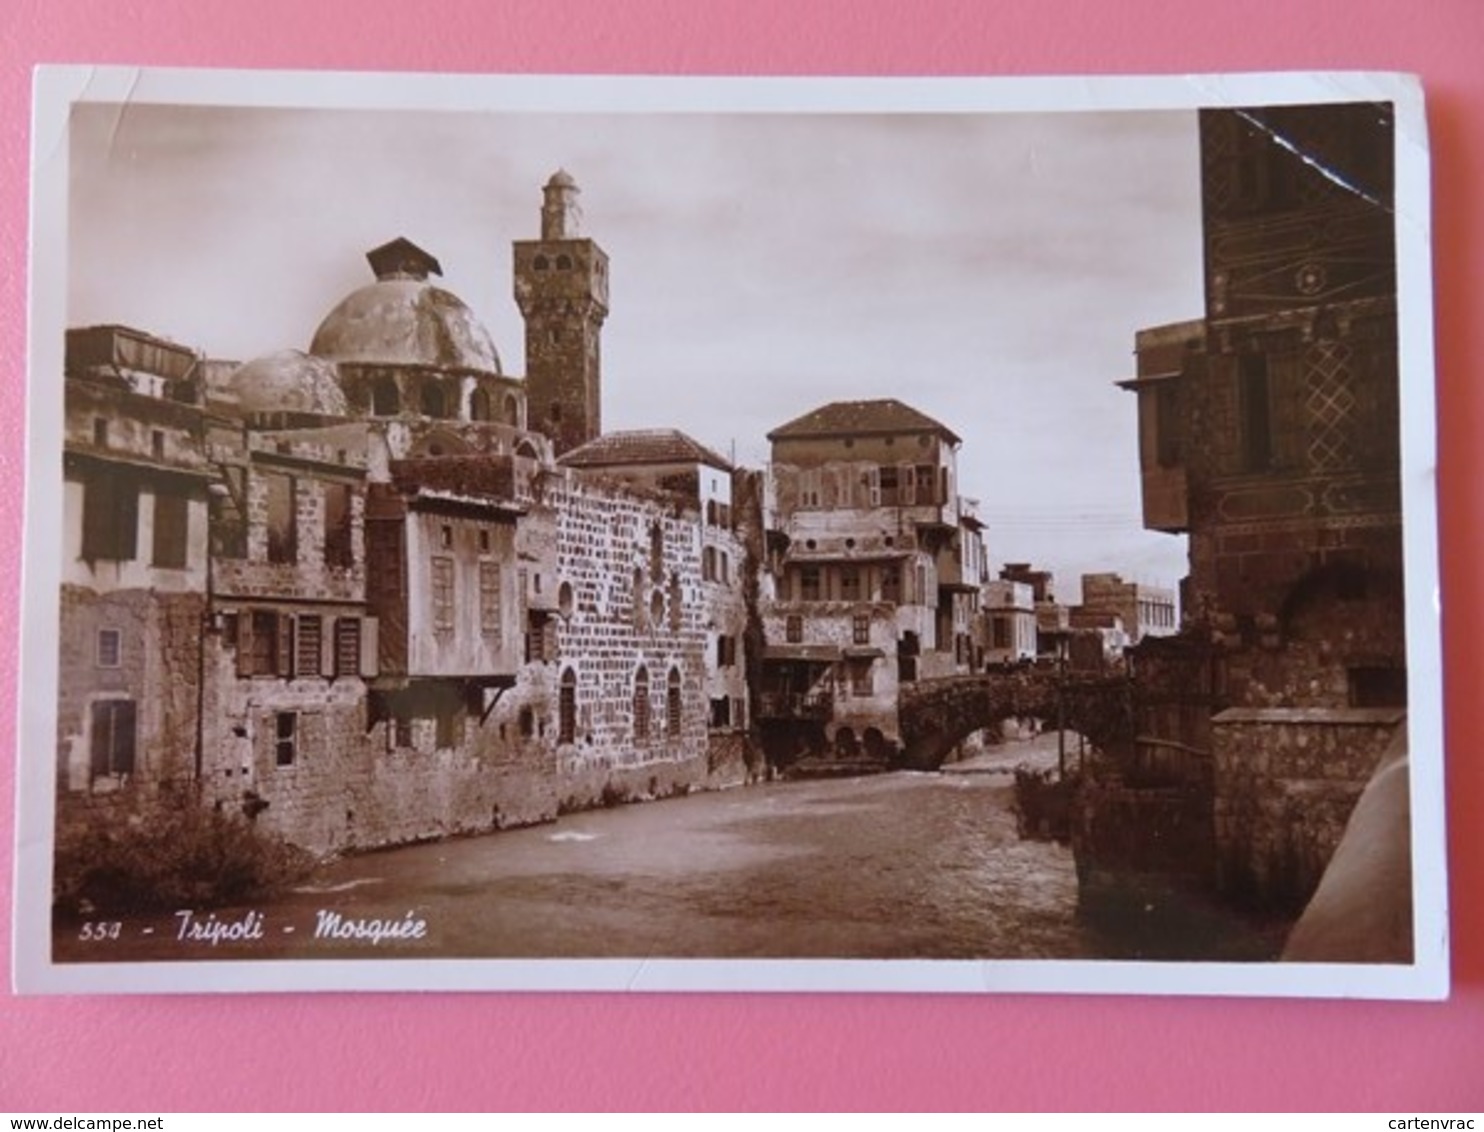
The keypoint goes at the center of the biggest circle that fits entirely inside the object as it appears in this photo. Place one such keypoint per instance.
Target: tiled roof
(859, 418)
(643, 446)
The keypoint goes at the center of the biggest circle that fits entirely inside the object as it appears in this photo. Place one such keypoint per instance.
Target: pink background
(751, 1051)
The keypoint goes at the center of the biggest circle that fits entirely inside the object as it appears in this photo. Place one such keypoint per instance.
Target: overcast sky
(989, 270)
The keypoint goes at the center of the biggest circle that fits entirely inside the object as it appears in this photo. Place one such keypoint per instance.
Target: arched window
(564, 262)
(479, 405)
(512, 410)
(526, 449)
(641, 706)
(675, 607)
(639, 608)
(386, 398)
(540, 263)
(672, 705)
(432, 400)
(567, 708)
(657, 551)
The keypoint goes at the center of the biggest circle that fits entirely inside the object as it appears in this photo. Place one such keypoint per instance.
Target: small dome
(561, 179)
(401, 321)
(289, 381)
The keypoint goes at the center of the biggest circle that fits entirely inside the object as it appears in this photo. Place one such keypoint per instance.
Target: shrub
(173, 855)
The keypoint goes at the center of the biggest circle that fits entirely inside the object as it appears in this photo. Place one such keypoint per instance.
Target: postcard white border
(57, 88)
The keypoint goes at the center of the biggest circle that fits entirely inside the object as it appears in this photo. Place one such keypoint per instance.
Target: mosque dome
(289, 381)
(404, 320)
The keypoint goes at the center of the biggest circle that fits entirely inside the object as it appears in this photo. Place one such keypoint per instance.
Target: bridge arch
(936, 715)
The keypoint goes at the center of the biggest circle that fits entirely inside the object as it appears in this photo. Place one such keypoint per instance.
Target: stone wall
(1286, 780)
(158, 670)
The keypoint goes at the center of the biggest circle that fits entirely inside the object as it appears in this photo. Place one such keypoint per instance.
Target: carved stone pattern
(1331, 406)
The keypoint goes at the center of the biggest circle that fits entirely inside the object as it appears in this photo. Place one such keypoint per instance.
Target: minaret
(561, 286)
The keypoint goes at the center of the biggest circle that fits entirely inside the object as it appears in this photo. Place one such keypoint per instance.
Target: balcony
(796, 705)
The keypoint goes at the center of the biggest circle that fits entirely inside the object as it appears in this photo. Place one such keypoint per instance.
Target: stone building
(1269, 434)
(351, 593)
(1010, 614)
(1141, 609)
(134, 564)
(875, 568)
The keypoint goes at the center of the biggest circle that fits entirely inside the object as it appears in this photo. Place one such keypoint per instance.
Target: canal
(902, 865)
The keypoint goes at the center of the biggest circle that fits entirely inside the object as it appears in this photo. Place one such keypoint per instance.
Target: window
(891, 583)
(264, 645)
(656, 551)
(726, 652)
(308, 645)
(724, 567)
(338, 537)
(402, 731)
(677, 611)
(347, 646)
(110, 519)
(157, 444)
(887, 477)
(447, 733)
(794, 629)
(708, 564)
(484, 541)
(283, 524)
(672, 705)
(641, 706)
(433, 403)
(850, 583)
(112, 737)
(721, 712)
(386, 398)
(442, 594)
(564, 262)
(809, 583)
(110, 648)
(566, 708)
(1256, 408)
(540, 263)
(479, 405)
(286, 737)
(1001, 632)
(100, 432)
(862, 678)
(860, 629)
(489, 602)
(926, 481)
(526, 722)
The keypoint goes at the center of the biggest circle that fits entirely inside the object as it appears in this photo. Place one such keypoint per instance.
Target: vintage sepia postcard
(493, 533)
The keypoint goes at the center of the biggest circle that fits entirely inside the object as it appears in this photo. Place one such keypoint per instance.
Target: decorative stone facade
(1269, 433)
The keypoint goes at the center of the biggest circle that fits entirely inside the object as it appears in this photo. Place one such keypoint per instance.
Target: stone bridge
(936, 715)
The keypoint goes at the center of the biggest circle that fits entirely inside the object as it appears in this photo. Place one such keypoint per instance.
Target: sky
(987, 269)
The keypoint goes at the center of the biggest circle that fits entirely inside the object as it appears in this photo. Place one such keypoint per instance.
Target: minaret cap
(561, 215)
